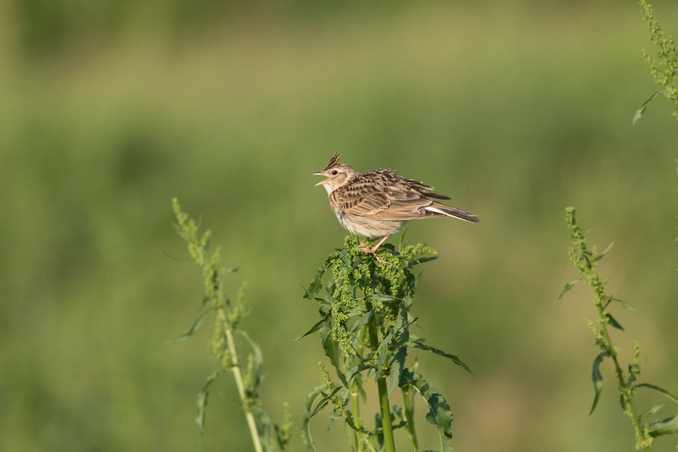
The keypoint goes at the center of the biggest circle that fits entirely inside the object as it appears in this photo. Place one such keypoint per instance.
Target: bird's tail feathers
(436, 195)
(453, 212)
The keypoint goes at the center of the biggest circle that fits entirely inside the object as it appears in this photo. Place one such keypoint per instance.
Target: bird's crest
(334, 161)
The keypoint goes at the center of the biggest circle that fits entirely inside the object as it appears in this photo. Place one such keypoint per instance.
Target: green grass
(515, 112)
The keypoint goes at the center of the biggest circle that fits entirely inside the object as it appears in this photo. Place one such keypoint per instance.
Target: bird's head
(337, 175)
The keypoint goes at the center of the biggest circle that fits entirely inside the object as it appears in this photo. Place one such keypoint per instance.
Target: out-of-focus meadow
(515, 109)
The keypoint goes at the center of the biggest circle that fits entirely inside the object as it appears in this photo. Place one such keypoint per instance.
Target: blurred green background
(516, 109)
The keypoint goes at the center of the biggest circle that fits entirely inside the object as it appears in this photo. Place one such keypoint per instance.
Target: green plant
(365, 332)
(586, 260)
(663, 69)
(266, 436)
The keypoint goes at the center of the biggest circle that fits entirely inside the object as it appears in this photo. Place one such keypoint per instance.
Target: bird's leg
(380, 242)
(373, 250)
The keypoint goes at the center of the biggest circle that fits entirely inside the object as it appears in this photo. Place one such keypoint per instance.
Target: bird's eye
(334, 172)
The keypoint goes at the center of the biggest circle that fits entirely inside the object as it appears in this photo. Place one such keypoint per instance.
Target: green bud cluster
(284, 431)
(219, 338)
(251, 380)
(663, 69)
(357, 276)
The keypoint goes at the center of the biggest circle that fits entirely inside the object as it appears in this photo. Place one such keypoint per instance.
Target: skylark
(378, 203)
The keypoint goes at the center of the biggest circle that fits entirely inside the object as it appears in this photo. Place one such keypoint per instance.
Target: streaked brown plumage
(378, 203)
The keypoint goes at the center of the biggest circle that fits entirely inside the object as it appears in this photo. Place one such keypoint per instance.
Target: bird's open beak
(319, 174)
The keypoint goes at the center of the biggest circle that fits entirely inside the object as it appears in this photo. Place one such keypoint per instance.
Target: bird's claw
(372, 252)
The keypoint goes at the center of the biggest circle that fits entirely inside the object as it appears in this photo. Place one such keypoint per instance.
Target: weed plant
(586, 260)
(266, 436)
(664, 67)
(365, 332)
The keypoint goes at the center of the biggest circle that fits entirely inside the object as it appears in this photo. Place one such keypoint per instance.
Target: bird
(378, 203)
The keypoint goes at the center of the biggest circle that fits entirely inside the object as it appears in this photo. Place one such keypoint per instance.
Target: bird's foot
(373, 252)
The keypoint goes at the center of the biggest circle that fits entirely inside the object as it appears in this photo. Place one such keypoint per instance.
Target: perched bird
(378, 203)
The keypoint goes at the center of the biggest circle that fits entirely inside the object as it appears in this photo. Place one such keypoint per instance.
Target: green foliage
(266, 436)
(586, 260)
(366, 298)
(664, 67)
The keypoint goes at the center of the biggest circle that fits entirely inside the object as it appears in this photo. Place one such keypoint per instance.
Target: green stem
(409, 417)
(626, 392)
(389, 444)
(235, 368)
(355, 395)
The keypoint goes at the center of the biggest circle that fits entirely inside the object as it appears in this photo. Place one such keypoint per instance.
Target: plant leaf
(195, 327)
(325, 400)
(315, 327)
(397, 368)
(568, 286)
(613, 322)
(176, 259)
(380, 361)
(265, 430)
(641, 110)
(600, 256)
(425, 259)
(401, 240)
(359, 324)
(307, 294)
(597, 379)
(258, 360)
(666, 426)
(439, 413)
(652, 410)
(657, 388)
(306, 417)
(332, 350)
(258, 357)
(346, 259)
(316, 282)
(380, 297)
(386, 342)
(623, 303)
(358, 382)
(456, 360)
(400, 354)
(202, 400)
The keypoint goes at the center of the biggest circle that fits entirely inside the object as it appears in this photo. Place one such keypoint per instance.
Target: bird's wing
(389, 177)
(362, 199)
(384, 203)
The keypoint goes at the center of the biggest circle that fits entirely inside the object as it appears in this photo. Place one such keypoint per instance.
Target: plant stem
(409, 417)
(586, 263)
(626, 392)
(355, 394)
(235, 368)
(389, 444)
